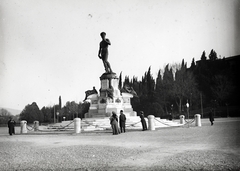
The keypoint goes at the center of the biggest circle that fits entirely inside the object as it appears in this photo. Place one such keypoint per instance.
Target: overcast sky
(49, 48)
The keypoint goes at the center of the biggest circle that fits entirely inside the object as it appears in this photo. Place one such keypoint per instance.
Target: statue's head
(103, 34)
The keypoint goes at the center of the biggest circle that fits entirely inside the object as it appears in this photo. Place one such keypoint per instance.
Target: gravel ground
(208, 147)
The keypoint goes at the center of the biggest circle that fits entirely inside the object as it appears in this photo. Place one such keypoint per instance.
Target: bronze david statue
(103, 52)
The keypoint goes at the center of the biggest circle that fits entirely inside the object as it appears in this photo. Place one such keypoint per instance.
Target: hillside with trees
(169, 93)
(208, 83)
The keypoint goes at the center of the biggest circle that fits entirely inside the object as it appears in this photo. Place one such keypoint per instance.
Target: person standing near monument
(122, 121)
(11, 125)
(144, 125)
(103, 52)
(114, 123)
(211, 117)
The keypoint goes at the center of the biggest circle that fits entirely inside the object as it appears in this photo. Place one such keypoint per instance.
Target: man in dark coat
(211, 117)
(144, 125)
(11, 124)
(122, 121)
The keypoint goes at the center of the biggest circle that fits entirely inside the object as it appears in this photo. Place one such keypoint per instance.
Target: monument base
(110, 99)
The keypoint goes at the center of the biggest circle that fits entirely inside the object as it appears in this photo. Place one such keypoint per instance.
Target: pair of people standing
(114, 122)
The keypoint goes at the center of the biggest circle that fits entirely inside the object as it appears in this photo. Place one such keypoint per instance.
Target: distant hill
(12, 111)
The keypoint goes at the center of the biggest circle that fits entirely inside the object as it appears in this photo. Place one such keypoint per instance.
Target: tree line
(208, 83)
(5, 115)
(55, 113)
(168, 93)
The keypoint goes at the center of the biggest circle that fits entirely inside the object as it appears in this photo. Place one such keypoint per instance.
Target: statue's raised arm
(108, 41)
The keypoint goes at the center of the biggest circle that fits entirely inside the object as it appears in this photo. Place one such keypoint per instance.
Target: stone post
(23, 125)
(182, 119)
(198, 120)
(151, 123)
(36, 125)
(77, 125)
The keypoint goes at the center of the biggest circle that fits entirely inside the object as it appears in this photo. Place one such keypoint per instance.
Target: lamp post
(171, 114)
(57, 117)
(188, 111)
(69, 115)
(227, 110)
(201, 104)
(54, 113)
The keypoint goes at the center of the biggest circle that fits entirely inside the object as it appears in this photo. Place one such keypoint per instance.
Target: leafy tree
(31, 113)
(85, 108)
(80, 110)
(65, 112)
(154, 109)
(184, 86)
(203, 57)
(159, 94)
(159, 85)
(135, 84)
(60, 102)
(135, 101)
(5, 112)
(167, 86)
(126, 81)
(150, 86)
(47, 115)
(56, 113)
(202, 74)
(120, 81)
(193, 64)
(4, 116)
(222, 89)
(146, 92)
(72, 108)
(213, 55)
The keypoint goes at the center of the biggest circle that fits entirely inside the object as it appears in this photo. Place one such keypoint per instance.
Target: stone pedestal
(151, 123)
(23, 125)
(77, 125)
(198, 120)
(182, 119)
(109, 99)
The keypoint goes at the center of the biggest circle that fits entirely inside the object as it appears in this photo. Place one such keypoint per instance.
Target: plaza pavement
(208, 147)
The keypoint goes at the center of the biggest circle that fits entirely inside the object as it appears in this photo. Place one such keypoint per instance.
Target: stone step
(91, 124)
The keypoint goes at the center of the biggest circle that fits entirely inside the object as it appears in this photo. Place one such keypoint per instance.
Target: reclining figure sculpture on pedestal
(90, 92)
